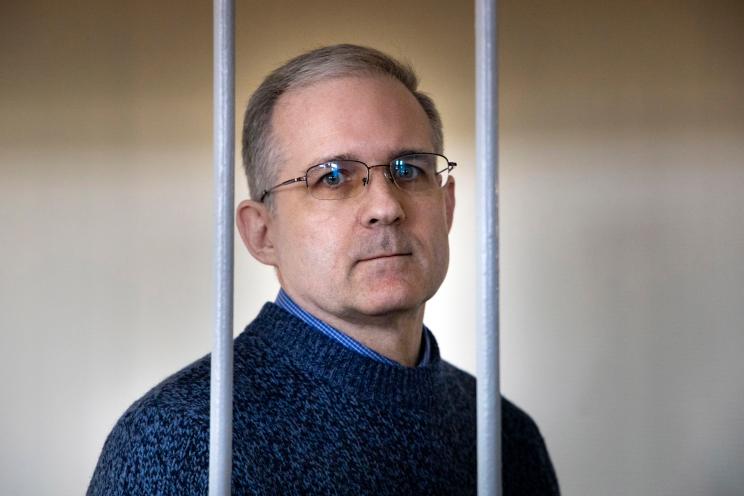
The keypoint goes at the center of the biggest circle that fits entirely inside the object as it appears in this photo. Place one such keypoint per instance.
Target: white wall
(622, 205)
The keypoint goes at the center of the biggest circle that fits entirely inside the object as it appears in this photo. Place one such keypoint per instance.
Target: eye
(331, 175)
(333, 178)
(404, 171)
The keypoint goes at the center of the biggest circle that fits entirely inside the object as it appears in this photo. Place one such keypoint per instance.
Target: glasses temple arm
(288, 181)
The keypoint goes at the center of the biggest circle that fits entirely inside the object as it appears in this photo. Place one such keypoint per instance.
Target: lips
(382, 256)
(388, 245)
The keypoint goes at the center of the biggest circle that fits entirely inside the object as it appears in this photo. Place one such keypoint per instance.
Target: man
(339, 388)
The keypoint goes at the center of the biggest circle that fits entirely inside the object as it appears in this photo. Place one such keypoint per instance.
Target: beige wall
(622, 206)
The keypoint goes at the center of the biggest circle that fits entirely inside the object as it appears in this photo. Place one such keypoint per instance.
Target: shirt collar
(284, 301)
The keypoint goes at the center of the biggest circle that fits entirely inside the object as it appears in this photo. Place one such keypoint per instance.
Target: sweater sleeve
(153, 451)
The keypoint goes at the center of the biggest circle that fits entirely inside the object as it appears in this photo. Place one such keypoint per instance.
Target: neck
(396, 335)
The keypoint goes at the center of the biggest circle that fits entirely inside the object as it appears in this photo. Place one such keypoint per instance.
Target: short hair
(330, 62)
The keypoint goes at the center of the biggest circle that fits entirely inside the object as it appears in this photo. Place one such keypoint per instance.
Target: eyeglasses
(416, 173)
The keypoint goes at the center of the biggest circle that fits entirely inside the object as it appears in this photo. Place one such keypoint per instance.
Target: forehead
(368, 118)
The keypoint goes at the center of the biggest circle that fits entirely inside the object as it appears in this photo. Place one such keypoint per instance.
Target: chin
(393, 298)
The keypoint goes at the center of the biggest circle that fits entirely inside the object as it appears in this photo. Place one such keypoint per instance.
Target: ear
(449, 201)
(253, 220)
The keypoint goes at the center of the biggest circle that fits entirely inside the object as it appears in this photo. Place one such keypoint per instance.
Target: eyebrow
(351, 156)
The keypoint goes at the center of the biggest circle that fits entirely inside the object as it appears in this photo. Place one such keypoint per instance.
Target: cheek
(433, 233)
(441, 249)
(318, 251)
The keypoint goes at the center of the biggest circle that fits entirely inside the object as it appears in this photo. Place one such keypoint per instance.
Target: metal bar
(221, 386)
(487, 159)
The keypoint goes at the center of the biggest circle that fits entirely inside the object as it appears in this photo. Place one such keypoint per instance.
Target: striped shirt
(284, 301)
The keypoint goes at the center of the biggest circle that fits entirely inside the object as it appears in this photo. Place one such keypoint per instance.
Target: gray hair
(336, 61)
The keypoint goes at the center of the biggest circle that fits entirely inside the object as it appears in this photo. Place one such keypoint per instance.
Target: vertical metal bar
(221, 388)
(487, 158)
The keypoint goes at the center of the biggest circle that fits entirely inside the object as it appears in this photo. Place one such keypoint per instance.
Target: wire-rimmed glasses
(414, 173)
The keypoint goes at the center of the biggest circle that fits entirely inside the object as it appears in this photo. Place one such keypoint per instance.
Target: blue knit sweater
(313, 417)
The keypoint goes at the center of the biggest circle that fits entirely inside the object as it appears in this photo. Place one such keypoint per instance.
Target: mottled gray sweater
(313, 417)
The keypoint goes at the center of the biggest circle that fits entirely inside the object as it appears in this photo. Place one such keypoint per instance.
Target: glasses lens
(420, 172)
(336, 180)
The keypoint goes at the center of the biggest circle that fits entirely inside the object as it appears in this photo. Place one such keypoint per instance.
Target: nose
(381, 200)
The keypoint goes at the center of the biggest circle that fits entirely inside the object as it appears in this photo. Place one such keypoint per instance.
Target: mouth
(385, 256)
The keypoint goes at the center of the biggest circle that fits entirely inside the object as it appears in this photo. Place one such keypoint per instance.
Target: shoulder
(457, 377)
(517, 423)
(160, 444)
(527, 466)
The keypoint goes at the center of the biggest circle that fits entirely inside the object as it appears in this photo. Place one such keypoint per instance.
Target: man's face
(378, 253)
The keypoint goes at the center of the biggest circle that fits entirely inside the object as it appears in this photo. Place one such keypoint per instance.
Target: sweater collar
(290, 340)
(284, 301)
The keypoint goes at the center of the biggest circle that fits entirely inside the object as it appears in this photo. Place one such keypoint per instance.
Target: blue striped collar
(285, 302)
